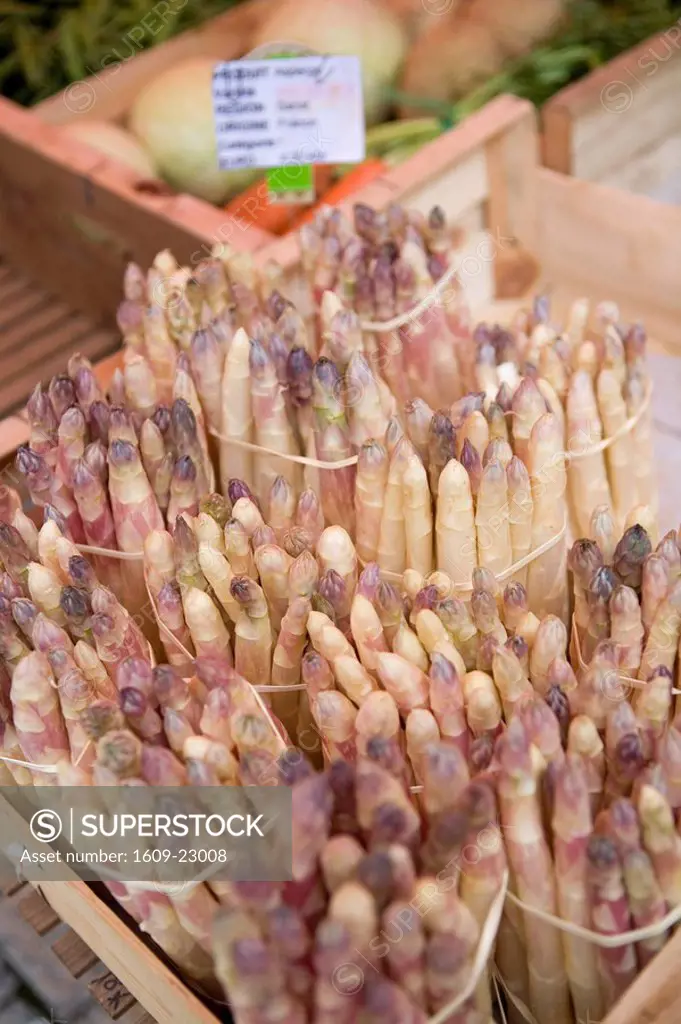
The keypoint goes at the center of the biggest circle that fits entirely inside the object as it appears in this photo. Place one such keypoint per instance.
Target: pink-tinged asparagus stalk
(530, 861)
(624, 750)
(482, 873)
(383, 806)
(184, 495)
(98, 523)
(418, 516)
(24, 613)
(441, 448)
(37, 714)
(603, 531)
(456, 550)
(646, 903)
(133, 505)
(190, 430)
(421, 731)
(121, 427)
(238, 548)
(309, 514)
(491, 520)
(367, 419)
(178, 639)
(550, 643)
(173, 691)
(335, 716)
(141, 716)
(207, 358)
(378, 716)
(9, 747)
(520, 513)
(572, 828)
(626, 628)
(333, 445)
(456, 618)
(71, 433)
(286, 661)
(335, 994)
(282, 506)
(631, 551)
(94, 671)
(372, 479)
(661, 842)
(45, 590)
(446, 700)
(141, 390)
(204, 622)
(12, 646)
(47, 487)
(237, 413)
(44, 413)
(547, 575)
(445, 776)
(510, 680)
(272, 426)
(610, 916)
(418, 416)
(653, 705)
(252, 634)
(585, 744)
(663, 638)
(273, 564)
(486, 617)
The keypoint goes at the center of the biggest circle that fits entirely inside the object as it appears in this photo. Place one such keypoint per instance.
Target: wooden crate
(523, 224)
(621, 125)
(655, 997)
(38, 332)
(71, 218)
(581, 238)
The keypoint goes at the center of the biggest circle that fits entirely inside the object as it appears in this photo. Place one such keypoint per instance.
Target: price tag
(289, 114)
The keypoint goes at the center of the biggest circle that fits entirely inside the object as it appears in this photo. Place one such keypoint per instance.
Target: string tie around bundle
(467, 588)
(649, 931)
(627, 680)
(385, 326)
(304, 460)
(630, 424)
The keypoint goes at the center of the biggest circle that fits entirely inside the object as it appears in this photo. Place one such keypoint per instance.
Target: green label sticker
(293, 185)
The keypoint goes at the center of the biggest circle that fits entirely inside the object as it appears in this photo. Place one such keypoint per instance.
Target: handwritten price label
(289, 113)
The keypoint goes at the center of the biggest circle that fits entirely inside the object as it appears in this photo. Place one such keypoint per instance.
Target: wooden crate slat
(156, 988)
(112, 995)
(14, 289)
(45, 365)
(37, 912)
(101, 221)
(49, 318)
(76, 957)
(45, 976)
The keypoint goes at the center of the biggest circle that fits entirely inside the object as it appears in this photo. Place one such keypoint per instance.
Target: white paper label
(293, 111)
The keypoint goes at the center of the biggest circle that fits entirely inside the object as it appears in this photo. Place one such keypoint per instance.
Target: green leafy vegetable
(46, 46)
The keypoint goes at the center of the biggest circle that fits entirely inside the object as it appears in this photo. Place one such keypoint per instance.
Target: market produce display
(423, 71)
(266, 560)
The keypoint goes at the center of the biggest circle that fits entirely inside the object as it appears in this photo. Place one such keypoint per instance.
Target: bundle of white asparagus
(407, 616)
(224, 381)
(438, 747)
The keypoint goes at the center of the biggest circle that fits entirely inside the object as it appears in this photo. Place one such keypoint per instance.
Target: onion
(357, 27)
(173, 117)
(114, 142)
